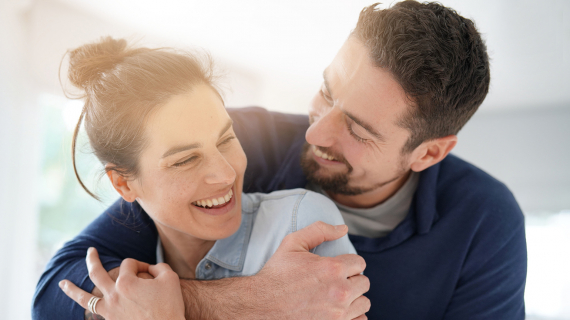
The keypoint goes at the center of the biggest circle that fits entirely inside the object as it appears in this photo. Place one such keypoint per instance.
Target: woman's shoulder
(300, 206)
(277, 214)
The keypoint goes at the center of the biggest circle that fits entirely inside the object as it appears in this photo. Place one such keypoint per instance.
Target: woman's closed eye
(227, 140)
(185, 161)
(191, 159)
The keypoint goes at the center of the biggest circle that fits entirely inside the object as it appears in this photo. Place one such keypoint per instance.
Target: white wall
(529, 150)
(19, 160)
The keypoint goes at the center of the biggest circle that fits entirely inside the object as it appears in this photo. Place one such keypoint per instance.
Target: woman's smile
(217, 205)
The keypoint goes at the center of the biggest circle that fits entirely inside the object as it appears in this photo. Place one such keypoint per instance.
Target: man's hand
(294, 284)
(114, 274)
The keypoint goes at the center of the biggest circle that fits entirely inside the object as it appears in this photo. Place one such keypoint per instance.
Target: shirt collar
(228, 253)
(424, 207)
(420, 219)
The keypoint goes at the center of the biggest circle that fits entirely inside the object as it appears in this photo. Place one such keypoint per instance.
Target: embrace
(356, 211)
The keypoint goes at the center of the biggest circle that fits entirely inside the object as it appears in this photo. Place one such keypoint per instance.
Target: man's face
(354, 125)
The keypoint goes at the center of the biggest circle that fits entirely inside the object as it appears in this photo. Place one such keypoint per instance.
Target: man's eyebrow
(175, 150)
(365, 125)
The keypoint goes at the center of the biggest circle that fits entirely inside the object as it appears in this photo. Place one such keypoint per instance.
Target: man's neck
(371, 198)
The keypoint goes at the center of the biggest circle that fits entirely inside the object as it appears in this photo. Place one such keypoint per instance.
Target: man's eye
(353, 134)
(326, 96)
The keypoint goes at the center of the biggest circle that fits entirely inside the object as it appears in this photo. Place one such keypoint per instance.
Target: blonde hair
(121, 86)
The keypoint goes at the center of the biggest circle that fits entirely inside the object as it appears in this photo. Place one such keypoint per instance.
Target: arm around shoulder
(122, 231)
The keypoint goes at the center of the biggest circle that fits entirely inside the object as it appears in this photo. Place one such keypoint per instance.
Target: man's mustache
(337, 156)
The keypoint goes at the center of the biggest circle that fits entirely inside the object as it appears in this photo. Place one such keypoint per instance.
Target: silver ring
(92, 304)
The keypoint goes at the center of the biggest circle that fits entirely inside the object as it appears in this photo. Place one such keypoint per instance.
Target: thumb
(312, 236)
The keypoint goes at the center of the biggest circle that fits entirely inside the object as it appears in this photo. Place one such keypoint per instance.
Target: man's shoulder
(258, 126)
(458, 174)
(262, 116)
(273, 143)
(462, 187)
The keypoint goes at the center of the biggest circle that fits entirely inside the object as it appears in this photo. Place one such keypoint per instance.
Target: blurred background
(272, 54)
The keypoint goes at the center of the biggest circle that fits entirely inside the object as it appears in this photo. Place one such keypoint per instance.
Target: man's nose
(220, 171)
(324, 131)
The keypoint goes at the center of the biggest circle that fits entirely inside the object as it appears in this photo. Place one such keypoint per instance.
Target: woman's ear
(121, 184)
(432, 152)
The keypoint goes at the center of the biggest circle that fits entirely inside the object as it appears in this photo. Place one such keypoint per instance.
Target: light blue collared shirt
(266, 220)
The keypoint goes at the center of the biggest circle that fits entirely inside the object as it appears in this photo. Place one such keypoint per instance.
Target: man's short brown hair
(439, 59)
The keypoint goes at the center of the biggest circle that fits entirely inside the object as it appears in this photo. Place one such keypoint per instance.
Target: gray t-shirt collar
(381, 219)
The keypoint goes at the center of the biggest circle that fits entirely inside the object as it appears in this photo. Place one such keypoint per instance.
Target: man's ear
(431, 152)
(121, 184)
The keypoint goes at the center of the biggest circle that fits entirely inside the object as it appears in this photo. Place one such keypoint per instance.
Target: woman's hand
(131, 297)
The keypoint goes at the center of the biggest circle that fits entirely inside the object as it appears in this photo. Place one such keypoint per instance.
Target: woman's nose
(220, 171)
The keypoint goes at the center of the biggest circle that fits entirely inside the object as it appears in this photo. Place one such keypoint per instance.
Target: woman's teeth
(322, 154)
(208, 203)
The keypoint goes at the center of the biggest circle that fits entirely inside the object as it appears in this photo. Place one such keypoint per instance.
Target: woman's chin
(220, 231)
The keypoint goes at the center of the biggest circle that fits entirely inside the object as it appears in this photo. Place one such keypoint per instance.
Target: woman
(159, 126)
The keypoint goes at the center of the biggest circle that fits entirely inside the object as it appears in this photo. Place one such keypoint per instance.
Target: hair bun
(88, 62)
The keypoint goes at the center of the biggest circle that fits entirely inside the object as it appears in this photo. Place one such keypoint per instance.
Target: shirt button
(208, 266)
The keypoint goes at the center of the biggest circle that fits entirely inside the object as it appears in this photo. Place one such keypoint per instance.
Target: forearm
(230, 298)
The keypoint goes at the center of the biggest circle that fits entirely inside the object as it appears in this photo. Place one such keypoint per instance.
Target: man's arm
(294, 284)
(122, 231)
(326, 288)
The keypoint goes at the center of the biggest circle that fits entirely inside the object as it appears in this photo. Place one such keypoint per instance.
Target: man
(441, 239)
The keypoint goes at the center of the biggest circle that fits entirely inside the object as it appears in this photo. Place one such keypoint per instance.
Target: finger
(313, 235)
(359, 307)
(159, 269)
(97, 273)
(359, 285)
(362, 317)
(80, 296)
(131, 267)
(353, 264)
(145, 275)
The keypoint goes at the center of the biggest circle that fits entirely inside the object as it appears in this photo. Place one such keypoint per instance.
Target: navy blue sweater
(459, 254)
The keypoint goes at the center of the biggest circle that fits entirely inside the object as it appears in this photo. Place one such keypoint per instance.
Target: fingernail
(340, 227)
(89, 250)
(62, 284)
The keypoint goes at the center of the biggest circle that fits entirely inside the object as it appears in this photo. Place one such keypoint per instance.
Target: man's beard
(336, 183)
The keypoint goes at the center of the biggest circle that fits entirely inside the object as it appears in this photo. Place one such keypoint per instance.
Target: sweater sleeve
(122, 231)
(272, 142)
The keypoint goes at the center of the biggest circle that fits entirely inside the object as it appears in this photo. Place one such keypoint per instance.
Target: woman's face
(192, 162)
